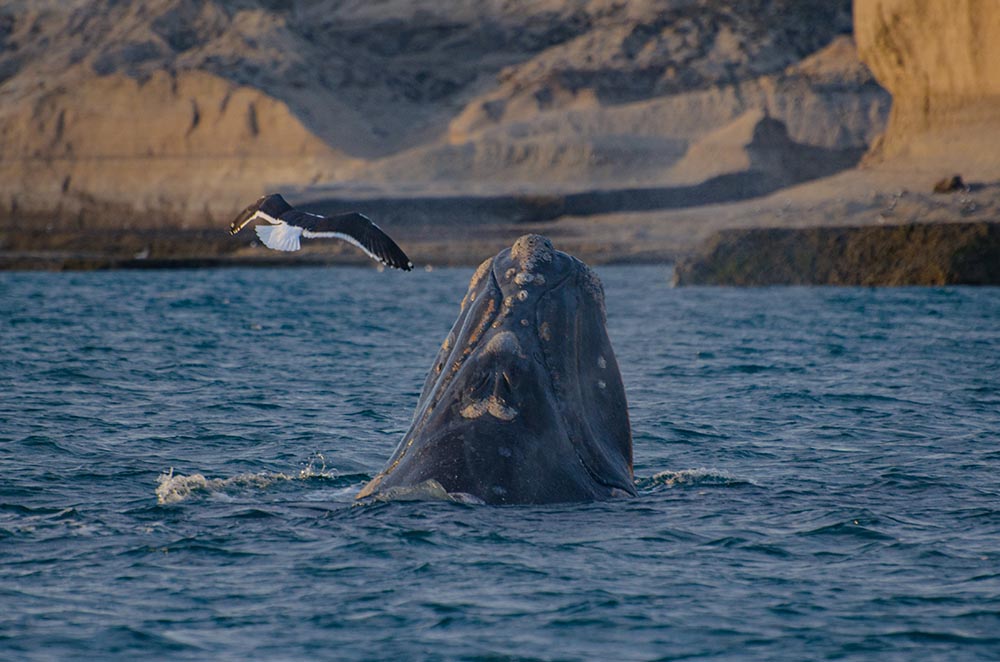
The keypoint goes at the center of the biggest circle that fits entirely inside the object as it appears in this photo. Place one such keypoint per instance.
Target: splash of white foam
(174, 488)
(316, 468)
(692, 477)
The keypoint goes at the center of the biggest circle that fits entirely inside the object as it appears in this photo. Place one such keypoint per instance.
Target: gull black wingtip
(402, 266)
(286, 226)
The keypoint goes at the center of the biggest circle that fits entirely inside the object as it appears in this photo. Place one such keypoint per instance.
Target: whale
(524, 403)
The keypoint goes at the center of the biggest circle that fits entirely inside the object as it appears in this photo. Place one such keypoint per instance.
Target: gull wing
(354, 228)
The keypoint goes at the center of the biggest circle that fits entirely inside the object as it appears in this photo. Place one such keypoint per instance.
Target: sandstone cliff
(187, 141)
(192, 106)
(941, 62)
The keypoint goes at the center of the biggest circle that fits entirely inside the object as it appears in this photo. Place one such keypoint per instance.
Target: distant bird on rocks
(288, 225)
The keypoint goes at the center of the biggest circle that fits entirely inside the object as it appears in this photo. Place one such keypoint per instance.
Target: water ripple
(816, 472)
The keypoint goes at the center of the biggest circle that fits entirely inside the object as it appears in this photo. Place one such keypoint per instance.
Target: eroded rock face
(940, 61)
(524, 402)
(236, 96)
(926, 53)
(188, 139)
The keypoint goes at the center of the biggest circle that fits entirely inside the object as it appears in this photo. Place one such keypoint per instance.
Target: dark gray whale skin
(524, 403)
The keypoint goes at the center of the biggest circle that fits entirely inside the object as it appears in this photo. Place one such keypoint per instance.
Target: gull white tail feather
(280, 237)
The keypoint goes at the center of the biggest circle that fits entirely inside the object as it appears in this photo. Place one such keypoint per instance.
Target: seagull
(288, 225)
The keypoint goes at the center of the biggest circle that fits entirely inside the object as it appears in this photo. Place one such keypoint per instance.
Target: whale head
(524, 402)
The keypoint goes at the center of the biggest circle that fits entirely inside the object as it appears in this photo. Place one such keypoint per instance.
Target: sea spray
(700, 477)
(174, 488)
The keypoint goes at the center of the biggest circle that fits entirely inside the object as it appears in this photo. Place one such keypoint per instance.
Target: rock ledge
(910, 254)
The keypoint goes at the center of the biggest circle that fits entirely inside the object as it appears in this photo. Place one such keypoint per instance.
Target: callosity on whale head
(524, 403)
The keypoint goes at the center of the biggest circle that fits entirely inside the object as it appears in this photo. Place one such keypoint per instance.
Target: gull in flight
(288, 225)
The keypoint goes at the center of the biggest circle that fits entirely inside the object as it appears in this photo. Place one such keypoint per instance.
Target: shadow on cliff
(752, 156)
(802, 164)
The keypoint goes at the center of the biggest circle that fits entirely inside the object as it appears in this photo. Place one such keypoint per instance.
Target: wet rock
(910, 254)
(950, 184)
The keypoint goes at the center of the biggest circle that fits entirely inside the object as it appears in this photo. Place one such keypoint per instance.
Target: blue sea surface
(818, 474)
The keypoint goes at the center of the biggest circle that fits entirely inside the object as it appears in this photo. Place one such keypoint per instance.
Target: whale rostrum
(524, 402)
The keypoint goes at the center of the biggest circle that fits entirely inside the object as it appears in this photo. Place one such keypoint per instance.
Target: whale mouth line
(448, 376)
(524, 401)
(443, 382)
(596, 477)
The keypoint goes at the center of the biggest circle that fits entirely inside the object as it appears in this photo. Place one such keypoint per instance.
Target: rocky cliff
(188, 141)
(188, 107)
(941, 62)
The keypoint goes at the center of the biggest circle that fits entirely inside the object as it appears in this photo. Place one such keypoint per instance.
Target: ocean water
(818, 469)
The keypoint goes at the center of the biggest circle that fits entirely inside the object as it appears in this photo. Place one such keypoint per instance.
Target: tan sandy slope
(192, 106)
(174, 112)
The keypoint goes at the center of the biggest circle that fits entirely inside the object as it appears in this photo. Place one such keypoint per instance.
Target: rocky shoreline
(907, 254)
(627, 132)
(428, 246)
(446, 229)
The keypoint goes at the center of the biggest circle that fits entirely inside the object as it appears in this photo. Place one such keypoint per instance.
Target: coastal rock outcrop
(906, 254)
